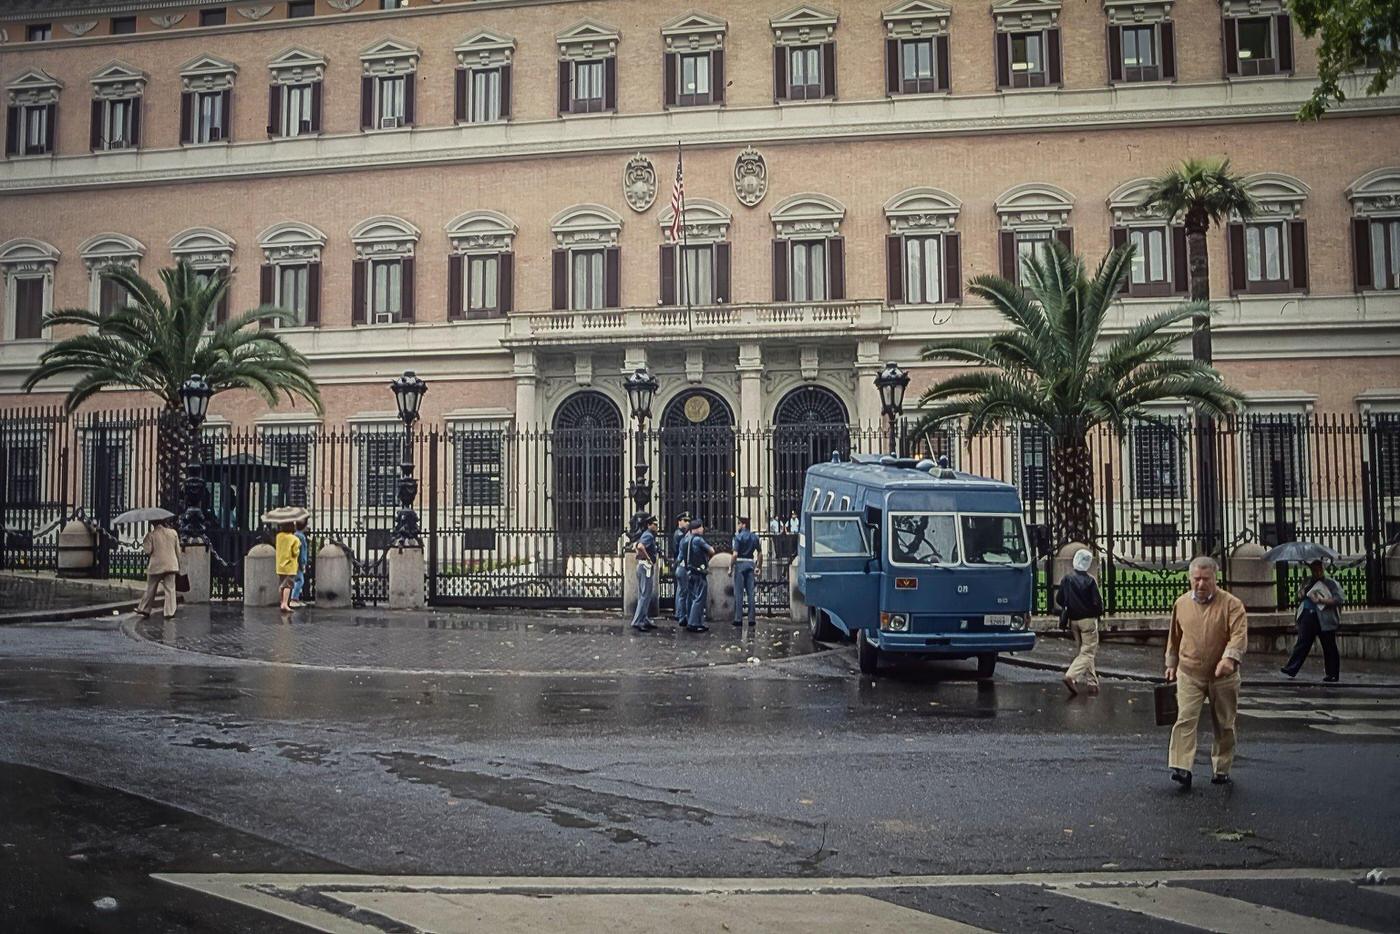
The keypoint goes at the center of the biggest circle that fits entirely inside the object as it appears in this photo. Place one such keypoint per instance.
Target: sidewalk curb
(63, 616)
(1147, 679)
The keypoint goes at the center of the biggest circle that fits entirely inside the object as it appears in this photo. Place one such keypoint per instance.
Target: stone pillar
(756, 466)
(77, 549)
(529, 462)
(260, 576)
(1252, 578)
(406, 585)
(797, 604)
(629, 588)
(333, 566)
(1392, 574)
(197, 569)
(867, 366)
(719, 607)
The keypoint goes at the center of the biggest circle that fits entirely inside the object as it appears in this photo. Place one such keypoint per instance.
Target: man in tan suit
(1204, 650)
(162, 545)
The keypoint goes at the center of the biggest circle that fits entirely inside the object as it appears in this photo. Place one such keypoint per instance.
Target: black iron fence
(520, 516)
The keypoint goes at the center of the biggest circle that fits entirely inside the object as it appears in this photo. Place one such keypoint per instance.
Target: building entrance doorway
(697, 460)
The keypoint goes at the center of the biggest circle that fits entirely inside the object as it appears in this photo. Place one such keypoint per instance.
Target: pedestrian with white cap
(1081, 605)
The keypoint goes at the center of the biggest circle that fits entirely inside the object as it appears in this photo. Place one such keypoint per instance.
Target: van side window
(816, 498)
(830, 498)
(845, 504)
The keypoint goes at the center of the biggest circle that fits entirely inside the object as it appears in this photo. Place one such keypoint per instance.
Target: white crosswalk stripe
(1204, 910)
(1366, 715)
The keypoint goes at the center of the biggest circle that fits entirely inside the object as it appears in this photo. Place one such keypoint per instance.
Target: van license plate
(997, 619)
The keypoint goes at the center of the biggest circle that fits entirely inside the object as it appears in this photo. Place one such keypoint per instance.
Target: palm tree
(1197, 194)
(155, 343)
(1049, 370)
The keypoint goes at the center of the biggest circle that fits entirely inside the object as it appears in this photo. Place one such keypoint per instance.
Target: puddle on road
(206, 742)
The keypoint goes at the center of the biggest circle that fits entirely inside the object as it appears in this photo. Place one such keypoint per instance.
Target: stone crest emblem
(639, 183)
(750, 177)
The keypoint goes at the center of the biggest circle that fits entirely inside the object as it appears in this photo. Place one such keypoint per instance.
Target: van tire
(819, 625)
(986, 666)
(867, 654)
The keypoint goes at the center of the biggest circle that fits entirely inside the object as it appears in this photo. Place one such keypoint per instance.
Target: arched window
(27, 266)
(809, 259)
(290, 277)
(697, 459)
(1029, 217)
(809, 424)
(1375, 230)
(382, 286)
(480, 265)
(103, 251)
(1268, 253)
(588, 473)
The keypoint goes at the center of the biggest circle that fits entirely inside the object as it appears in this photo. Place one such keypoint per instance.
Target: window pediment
(588, 39)
(586, 224)
(297, 66)
(34, 86)
(1125, 204)
(916, 19)
(1017, 15)
(203, 247)
(117, 80)
(384, 235)
(1278, 195)
(484, 48)
(922, 209)
(481, 230)
(1375, 193)
(291, 242)
(695, 32)
(1129, 12)
(1034, 205)
(107, 249)
(804, 24)
(389, 57)
(207, 73)
(705, 221)
(26, 256)
(1237, 8)
(808, 215)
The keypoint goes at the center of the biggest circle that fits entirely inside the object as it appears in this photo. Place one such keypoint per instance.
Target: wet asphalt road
(126, 757)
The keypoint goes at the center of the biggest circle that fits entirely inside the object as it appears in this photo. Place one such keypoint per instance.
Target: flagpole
(685, 242)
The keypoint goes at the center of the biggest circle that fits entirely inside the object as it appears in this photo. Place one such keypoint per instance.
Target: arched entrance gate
(697, 460)
(588, 474)
(808, 425)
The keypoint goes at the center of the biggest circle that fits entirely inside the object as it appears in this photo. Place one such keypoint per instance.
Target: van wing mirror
(872, 516)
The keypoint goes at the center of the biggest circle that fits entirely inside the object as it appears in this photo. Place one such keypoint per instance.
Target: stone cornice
(1206, 103)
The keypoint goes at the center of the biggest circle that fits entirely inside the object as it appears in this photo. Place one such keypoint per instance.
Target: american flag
(677, 199)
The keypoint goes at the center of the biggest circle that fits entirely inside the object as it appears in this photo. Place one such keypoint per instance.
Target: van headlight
(894, 622)
(1018, 621)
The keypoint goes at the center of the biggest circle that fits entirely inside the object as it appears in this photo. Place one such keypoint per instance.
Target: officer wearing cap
(697, 553)
(747, 557)
(647, 551)
(678, 562)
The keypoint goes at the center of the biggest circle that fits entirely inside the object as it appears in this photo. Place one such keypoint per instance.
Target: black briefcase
(1164, 701)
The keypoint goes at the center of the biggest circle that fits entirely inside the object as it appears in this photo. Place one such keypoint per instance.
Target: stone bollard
(797, 604)
(196, 557)
(1252, 578)
(629, 587)
(333, 576)
(1392, 574)
(719, 607)
(77, 549)
(260, 576)
(1063, 564)
(406, 585)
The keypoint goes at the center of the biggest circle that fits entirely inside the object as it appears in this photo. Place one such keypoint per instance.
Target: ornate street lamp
(408, 394)
(641, 389)
(891, 382)
(194, 393)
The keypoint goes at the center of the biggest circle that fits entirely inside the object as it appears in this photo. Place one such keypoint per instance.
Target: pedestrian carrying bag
(182, 583)
(1164, 700)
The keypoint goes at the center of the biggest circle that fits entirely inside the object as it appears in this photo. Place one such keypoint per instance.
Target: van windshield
(923, 538)
(994, 540)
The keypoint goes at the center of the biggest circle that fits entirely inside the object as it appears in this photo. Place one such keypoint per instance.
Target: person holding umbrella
(162, 547)
(1319, 615)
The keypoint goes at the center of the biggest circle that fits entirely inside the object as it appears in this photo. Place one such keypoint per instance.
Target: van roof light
(836, 456)
(887, 461)
(924, 464)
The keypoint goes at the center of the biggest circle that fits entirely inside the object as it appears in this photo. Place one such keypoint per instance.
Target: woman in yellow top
(288, 558)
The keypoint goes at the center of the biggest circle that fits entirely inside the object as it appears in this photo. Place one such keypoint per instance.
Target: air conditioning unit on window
(387, 123)
(216, 133)
(383, 317)
(306, 126)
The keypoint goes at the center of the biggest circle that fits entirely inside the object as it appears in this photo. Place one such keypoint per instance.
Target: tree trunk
(1072, 490)
(1198, 266)
(172, 453)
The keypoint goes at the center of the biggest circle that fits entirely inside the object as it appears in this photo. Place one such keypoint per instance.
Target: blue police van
(908, 556)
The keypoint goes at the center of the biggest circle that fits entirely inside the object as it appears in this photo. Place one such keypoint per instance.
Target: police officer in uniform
(678, 535)
(748, 556)
(697, 553)
(647, 550)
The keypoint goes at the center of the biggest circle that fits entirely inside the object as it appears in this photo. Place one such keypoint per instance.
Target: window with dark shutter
(668, 274)
(952, 267)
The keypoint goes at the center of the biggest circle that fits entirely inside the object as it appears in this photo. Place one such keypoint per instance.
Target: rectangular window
(1151, 261)
(696, 274)
(33, 135)
(917, 75)
(1265, 254)
(40, 32)
(386, 291)
(292, 291)
(388, 91)
(1157, 461)
(1387, 448)
(805, 73)
(1033, 460)
(205, 276)
(483, 279)
(214, 16)
(587, 277)
(694, 84)
(380, 454)
(923, 270)
(296, 9)
(111, 295)
(478, 462)
(123, 25)
(1385, 252)
(1031, 243)
(209, 114)
(1141, 61)
(1255, 37)
(388, 4)
(24, 464)
(106, 463)
(587, 92)
(1275, 439)
(486, 95)
(808, 271)
(117, 118)
(292, 448)
(296, 109)
(29, 307)
(1028, 68)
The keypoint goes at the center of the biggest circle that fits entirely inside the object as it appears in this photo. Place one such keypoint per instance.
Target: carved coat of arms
(639, 183)
(750, 177)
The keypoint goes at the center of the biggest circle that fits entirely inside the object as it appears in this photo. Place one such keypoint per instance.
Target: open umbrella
(1301, 552)
(149, 514)
(285, 514)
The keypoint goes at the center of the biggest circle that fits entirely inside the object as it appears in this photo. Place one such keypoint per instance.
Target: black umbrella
(1303, 552)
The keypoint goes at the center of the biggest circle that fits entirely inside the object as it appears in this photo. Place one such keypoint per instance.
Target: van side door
(839, 573)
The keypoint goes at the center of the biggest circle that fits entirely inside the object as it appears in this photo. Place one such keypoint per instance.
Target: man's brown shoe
(1070, 685)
